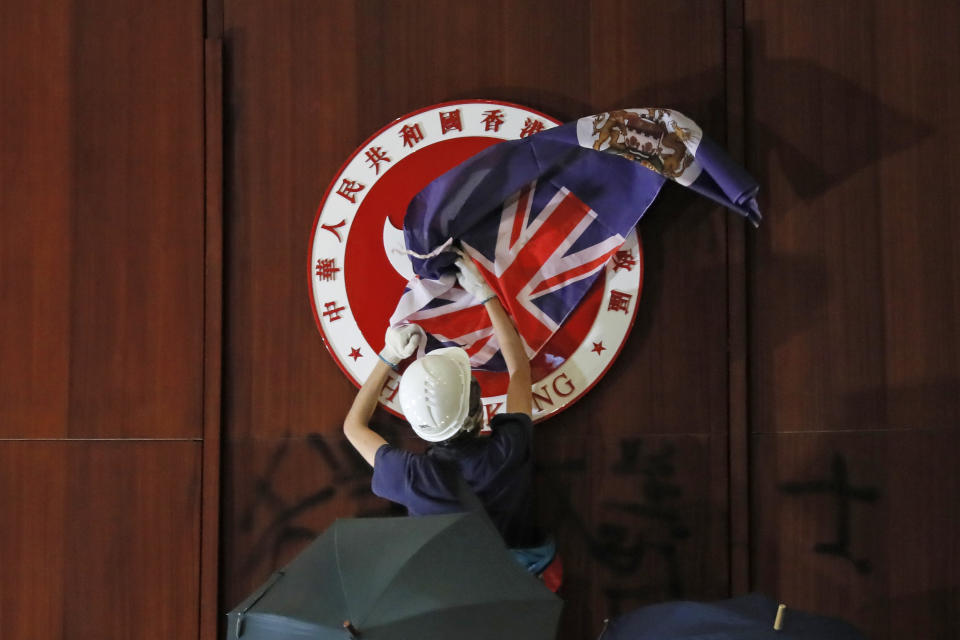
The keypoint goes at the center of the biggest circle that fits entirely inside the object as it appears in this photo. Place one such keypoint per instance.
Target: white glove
(400, 343)
(470, 279)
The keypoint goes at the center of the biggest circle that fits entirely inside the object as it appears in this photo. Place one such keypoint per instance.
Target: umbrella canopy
(444, 576)
(749, 617)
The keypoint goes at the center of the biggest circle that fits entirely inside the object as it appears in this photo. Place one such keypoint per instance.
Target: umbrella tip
(352, 630)
(778, 622)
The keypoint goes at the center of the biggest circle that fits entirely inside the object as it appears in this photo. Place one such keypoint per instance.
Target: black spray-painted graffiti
(654, 523)
(348, 474)
(844, 493)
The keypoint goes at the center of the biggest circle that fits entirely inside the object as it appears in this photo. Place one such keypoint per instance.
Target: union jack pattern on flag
(542, 216)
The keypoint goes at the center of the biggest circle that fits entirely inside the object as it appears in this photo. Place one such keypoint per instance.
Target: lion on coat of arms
(646, 137)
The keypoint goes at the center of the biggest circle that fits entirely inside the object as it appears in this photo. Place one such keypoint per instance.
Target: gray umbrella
(445, 576)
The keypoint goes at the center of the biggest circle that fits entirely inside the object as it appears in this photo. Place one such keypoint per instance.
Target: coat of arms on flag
(547, 212)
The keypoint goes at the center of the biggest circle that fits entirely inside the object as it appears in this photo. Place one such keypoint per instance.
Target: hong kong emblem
(359, 266)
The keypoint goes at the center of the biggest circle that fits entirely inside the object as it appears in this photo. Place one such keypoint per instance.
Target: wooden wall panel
(102, 318)
(862, 525)
(856, 279)
(100, 539)
(35, 200)
(290, 491)
(855, 348)
(102, 271)
(634, 520)
(308, 82)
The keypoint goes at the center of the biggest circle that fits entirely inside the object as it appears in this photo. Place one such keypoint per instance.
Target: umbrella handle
(352, 630)
(603, 631)
(778, 621)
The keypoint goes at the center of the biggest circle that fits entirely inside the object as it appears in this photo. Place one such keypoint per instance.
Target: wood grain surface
(102, 319)
(854, 340)
(783, 417)
(100, 540)
(307, 83)
(102, 200)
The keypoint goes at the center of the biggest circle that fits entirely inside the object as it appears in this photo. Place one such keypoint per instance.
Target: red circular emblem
(358, 265)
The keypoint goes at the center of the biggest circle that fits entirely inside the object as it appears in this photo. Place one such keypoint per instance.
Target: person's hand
(400, 343)
(470, 279)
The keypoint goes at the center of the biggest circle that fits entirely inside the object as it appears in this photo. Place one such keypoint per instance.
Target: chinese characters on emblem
(332, 312)
(327, 269)
(530, 127)
(411, 135)
(492, 120)
(623, 260)
(450, 120)
(376, 155)
(349, 188)
(619, 301)
(332, 228)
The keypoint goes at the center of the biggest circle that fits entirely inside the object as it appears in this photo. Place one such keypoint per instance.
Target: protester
(441, 399)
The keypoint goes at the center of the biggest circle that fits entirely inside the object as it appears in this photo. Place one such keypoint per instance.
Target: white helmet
(435, 393)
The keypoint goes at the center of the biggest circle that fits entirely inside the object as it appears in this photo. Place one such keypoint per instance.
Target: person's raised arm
(519, 393)
(401, 342)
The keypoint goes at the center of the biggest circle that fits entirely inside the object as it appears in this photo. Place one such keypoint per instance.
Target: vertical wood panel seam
(737, 313)
(208, 612)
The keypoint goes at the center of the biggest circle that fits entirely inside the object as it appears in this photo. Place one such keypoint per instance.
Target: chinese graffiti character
(619, 301)
(332, 228)
(349, 188)
(450, 120)
(342, 471)
(636, 534)
(332, 311)
(411, 135)
(843, 492)
(623, 260)
(663, 528)
(327, 269)
(658, 493)
(376, 155)
(530, 127)
(492, 120)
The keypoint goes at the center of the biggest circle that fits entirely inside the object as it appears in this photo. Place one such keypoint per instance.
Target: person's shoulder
(390, 455)
(511, 419)
(511, 425)
(395, 469)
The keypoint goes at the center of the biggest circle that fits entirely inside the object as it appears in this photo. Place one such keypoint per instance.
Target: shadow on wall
(819, 149)
(931, 403)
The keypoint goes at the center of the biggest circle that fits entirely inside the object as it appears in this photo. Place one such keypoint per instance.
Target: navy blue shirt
(498, 468)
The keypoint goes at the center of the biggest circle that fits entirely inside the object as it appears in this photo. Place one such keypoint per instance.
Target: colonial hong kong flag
(542, 215)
